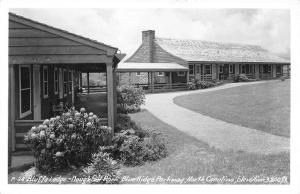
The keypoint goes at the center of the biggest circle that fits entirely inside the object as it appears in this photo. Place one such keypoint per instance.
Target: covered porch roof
(150, 67)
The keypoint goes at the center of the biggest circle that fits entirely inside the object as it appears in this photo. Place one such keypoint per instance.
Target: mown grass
(189, 157)
(265, 106)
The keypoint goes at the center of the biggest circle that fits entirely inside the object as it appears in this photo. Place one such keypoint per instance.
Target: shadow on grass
(189, 157)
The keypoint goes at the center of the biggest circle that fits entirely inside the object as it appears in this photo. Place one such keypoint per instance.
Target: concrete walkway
(216, 133)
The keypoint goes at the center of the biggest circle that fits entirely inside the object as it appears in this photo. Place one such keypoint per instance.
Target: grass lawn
(265, 106)
(188, 157)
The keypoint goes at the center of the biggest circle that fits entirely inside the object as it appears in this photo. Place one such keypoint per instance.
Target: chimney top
(148, 36)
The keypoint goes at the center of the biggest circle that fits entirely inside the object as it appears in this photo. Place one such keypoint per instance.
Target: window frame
(193, 69)
(231, 68)
(210, 69)
(221, 68)
(56, 81)
(198, 69)
(180, 73)
(28, 112)
(70, 81)
(45, 95)
(160, 73)
(269, 68)
(138, 73)
(65, 82)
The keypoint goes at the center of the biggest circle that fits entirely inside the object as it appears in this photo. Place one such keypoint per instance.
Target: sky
(122, 28)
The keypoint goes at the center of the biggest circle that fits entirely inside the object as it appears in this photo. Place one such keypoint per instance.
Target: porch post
(115, 95)
(202, 72)
(256, 71)
(187, 76)
(273, 70)
(152, 81)
(88, 82)
(11, 102)
(80, 80)
(73, 92)
(217, 71)
(148, 81)
(170, 80)
(110, 95)
(236, 69)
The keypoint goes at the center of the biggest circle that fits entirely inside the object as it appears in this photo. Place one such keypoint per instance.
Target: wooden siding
(162, 56)
(54, 50)
(28, 45)
(159, 56)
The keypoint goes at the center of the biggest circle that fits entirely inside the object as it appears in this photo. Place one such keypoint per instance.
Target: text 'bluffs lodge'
(46, 65)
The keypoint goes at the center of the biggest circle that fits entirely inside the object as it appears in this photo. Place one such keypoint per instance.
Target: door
(36, 92)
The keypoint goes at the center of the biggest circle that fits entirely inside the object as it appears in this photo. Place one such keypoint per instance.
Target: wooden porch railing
(265, 76)
(161, 87)
(206, 77)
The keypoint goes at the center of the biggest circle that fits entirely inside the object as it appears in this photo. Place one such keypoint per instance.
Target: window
(243, 69)
(198, 69)
(250, 69)
(45, 81)
(278, 69)
(70, 76)
(267, 68)
(221, 68)
(138, 73)
(25, 90)
(207, 69)
(160, 73)
(181, 73)
(56, 82)
(65, 75)
(231, 68)
(191, 69)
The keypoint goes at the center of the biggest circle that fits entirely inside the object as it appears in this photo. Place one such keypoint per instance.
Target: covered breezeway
(175, 75)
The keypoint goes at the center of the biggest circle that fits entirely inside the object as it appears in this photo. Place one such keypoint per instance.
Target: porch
(158, 77)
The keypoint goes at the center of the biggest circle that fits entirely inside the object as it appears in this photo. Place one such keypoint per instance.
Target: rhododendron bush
(67, 140)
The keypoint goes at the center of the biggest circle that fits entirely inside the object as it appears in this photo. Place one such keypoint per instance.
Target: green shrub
(204, 84)
(129, 99)
(191, 85)
(133, 150)
(125, 123)
(241, 78)
(104, 168)
(66, 140)
(198, 84)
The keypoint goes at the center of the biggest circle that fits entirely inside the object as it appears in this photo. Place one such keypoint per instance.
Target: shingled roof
(162, 50)
(197, 50)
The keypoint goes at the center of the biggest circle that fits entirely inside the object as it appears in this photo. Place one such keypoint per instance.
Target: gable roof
(197, 50)
(110, 51)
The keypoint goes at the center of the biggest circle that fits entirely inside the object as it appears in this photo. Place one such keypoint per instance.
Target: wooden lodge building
(169, 63)
(45, 66)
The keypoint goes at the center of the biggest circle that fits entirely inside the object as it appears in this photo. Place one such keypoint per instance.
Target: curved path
(217, 133)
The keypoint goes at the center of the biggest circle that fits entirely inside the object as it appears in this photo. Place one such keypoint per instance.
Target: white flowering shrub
(66, 140)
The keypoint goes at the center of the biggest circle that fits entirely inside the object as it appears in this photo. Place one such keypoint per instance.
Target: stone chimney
(148, 37)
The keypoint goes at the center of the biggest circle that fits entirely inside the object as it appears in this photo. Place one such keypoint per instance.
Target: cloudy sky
(122, 28)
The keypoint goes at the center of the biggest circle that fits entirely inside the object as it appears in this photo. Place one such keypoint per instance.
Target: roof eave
(110, 51)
